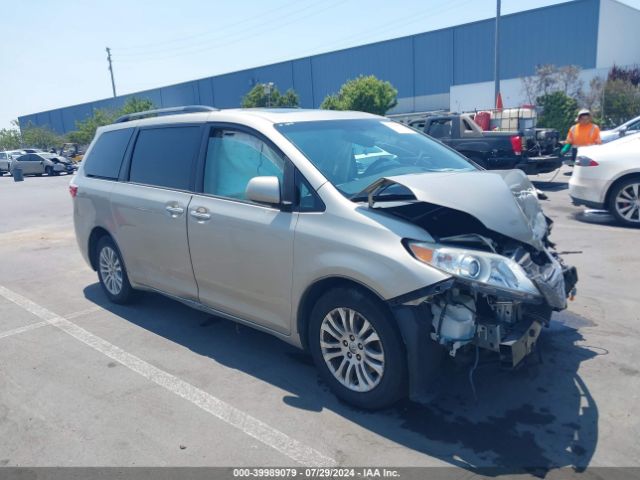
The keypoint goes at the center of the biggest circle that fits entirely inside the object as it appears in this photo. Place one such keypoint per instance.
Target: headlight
(475, 266)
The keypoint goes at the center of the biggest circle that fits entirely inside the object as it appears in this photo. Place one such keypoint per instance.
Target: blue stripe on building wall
(418, 65)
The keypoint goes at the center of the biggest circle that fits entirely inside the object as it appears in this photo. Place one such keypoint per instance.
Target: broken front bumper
(458, 313)
(514, 342)
(512, 347)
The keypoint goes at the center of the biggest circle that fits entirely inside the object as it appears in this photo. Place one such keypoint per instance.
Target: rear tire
(357, 349)
(624, 202)
(112, 272)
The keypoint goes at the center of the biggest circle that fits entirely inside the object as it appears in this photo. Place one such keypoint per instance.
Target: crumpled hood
(504, 201)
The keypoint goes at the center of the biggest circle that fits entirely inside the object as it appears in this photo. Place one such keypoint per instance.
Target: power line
(240, 34)
(386, 26)
(392, 25)
(405, 20)
(226, 26)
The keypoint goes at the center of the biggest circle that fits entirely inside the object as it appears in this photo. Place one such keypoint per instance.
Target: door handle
(201, 214)
(174, 210)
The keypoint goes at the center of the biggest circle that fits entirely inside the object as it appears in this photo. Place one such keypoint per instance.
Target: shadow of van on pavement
(531, 420)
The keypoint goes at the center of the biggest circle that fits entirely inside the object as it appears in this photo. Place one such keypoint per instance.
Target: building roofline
(140, 93)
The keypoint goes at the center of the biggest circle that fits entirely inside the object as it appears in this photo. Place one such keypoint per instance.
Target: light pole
(268, 87)
(496, 63)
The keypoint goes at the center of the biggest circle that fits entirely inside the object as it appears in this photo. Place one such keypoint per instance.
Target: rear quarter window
(164, 156)
(105, 158)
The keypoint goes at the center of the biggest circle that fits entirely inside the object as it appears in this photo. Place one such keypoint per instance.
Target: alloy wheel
(352, 349)
(627, 202)
(111, 270)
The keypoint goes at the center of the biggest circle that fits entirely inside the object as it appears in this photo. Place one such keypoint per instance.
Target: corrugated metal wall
(418, 65)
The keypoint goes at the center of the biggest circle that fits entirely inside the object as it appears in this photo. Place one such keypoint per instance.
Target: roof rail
(165, 111)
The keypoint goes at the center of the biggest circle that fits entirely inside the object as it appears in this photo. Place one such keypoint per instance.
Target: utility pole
(113, 82)
(496, 63)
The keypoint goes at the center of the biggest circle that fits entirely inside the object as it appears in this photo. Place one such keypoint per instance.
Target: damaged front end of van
(492, 239)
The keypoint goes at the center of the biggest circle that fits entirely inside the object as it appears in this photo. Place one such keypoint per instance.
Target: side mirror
(264, 190)
(623, 132)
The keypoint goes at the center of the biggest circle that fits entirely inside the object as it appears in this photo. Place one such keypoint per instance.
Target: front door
(242, 252)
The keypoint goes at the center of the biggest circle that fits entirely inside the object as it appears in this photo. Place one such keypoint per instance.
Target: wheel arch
(622, 178)
(94, 238)
(316, 290)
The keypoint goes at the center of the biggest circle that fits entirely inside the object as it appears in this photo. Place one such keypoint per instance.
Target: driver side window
(234, 158)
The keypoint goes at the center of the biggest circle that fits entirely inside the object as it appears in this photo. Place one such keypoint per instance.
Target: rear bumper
(587, 203)
(536, 165)
(587, 192)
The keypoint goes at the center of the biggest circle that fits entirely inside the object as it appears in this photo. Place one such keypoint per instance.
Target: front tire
(624, 202)
(357, 349)
(112, 272)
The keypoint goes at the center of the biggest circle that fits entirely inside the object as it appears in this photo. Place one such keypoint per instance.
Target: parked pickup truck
(494, 150)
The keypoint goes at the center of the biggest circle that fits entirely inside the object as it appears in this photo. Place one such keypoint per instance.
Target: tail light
(516, 144)
(586, 162)
(73, 190)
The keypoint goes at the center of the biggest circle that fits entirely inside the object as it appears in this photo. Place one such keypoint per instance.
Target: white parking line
(26, 328)
(33, 326)
(253, 427)
(81, 313)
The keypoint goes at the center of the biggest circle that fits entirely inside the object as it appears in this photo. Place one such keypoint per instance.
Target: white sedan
(608, 177)
(627, 128)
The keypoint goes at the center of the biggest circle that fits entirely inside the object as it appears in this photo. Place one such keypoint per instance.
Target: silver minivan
(371, 245)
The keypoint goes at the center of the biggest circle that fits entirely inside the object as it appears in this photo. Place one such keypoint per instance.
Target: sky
(52, 53)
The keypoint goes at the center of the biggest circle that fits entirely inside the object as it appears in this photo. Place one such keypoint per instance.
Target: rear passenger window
(164, 157)
(106, 156)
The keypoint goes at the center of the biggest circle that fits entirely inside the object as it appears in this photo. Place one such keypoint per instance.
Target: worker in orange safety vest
(583, 133)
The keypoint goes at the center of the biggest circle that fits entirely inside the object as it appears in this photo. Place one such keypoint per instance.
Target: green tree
(621, 101)
(134, 105)
(365, 94)
(40, 137)
(558, 111)
(10, 139)
(259, 96)
(86, 129)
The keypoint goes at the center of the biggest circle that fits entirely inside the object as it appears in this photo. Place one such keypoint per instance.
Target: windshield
(352, 154)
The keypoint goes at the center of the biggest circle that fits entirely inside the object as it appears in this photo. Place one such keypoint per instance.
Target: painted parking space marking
(253, 427)
(26, 328)
(84, 312)
(34, 326)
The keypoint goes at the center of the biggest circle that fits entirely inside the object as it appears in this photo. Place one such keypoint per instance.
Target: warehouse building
(451, 68)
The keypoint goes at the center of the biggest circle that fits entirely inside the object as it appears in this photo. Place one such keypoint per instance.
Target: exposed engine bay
(493, 239)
